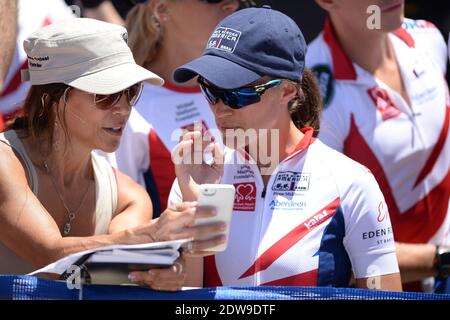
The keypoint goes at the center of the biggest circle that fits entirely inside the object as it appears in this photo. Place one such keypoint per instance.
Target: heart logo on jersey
(245, 191)
(245, 199)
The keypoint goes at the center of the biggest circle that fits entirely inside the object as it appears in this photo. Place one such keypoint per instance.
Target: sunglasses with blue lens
(236, 98)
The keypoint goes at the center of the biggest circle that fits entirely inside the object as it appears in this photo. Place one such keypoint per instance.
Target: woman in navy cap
(304, 215)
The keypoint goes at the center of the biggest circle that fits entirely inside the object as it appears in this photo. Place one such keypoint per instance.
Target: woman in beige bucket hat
(57, 196)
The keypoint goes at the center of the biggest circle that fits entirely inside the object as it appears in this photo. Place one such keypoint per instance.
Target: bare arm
(28, 229)
(389, 282)
(8, 25)
(416, 261)
(134, 207)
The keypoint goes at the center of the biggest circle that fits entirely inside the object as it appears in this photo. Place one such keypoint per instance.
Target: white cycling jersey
(407, 147)
(321, 216)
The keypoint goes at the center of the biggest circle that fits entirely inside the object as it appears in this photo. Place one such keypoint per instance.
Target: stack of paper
(111, 265)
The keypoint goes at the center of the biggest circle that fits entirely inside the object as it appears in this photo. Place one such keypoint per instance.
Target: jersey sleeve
(175, 195)
(333, 127)
(133, 157)
(430, 40)
(369, 238)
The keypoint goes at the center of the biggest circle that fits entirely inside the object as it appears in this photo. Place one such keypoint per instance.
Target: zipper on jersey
(257, 277)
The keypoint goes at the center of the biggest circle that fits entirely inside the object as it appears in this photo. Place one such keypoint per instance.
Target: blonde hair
(145, 33)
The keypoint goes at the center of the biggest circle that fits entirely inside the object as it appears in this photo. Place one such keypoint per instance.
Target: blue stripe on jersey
(152, 190)
(334, 263)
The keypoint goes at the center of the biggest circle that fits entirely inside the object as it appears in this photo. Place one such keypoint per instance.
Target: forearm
(65, 246)
(8, 25)
(416, 261)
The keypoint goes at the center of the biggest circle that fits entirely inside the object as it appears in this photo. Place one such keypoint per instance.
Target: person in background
(32, 15)
(302, 211)
(57, 196)
(101, 10)
(163, 35)
(8, 24)
(387, 107)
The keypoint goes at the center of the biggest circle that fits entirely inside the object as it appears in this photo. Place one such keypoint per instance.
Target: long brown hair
(40, 112)
(145, 33)
(306, 106)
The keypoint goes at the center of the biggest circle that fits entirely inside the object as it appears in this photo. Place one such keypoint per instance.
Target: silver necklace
(71, 215)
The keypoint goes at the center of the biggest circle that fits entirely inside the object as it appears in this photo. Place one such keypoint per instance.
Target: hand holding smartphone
(221, 197)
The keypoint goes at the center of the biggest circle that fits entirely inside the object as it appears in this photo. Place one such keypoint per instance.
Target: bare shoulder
(11, 169)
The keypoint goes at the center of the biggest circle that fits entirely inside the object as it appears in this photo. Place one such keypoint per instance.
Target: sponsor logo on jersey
(383, 212)
(383, 232)
(383, 103)
(291, 181)
(244, 172)
(245, 197)
(224, 39)
(317, 219)
(288, 205)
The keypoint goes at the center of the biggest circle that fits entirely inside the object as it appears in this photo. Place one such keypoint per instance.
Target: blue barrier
(32, 288)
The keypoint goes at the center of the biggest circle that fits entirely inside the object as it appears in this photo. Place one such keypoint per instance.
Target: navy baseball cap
(247, 45)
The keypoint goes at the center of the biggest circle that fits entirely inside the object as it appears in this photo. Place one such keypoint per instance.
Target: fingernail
(214, 211)
(223, 226)
(223, 238)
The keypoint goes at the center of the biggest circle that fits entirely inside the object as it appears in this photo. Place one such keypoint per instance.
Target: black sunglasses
(236, 98)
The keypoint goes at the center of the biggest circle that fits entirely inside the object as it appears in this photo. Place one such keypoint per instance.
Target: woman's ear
(160, 9)
(230, 6)
(288, 91)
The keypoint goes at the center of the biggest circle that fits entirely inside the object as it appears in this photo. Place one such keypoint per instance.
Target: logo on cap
(125, 37)
(224, 39)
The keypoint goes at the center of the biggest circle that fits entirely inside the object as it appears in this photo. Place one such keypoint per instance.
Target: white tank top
(106, 201)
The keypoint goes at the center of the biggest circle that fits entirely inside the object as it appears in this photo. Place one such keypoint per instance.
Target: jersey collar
(304, 143)
(343, 67)
(180, 89)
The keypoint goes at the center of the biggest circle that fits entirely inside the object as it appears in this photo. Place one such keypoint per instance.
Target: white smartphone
(221, 197)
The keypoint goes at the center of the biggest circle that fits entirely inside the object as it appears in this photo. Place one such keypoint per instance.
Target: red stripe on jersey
(343, 68)
(2, 124)
(17, 79)
(162, 168)
(405, 36)
(356, 148)
(306, 279)
(306, 141)
(290, 239)
(437, 149)
(176, 88)
(419, 223)
(211, 276)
